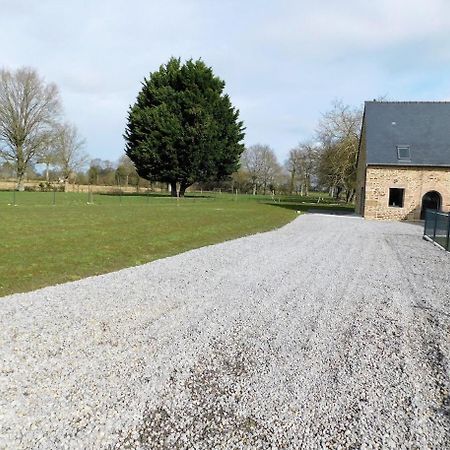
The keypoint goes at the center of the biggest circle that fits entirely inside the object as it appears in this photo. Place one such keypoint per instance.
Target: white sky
(284, 61)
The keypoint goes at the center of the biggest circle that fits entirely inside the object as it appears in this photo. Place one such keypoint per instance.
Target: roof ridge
(407, 101)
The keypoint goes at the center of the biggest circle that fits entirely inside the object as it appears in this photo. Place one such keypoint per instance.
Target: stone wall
(416, 181)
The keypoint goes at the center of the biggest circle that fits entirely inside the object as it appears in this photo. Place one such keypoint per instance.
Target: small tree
(94, 171)
(261, 165)
(7, 170)
(182, 128)
(47, 157)
(69, 156)
(126, 171)
(29, 109)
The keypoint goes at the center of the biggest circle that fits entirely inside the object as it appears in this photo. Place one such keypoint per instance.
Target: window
(403, 152)
(396, 196)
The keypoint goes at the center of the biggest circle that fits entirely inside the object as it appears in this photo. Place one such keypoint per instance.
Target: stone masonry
(416, 181)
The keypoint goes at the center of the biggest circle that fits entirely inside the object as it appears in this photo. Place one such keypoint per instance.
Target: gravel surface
(331, 332)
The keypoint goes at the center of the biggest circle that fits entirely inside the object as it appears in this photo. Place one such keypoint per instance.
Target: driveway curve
(331, 332)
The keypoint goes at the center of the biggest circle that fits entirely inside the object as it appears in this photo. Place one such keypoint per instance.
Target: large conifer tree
(183, 128)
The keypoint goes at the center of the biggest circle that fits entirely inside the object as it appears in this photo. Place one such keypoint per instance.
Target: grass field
(52, 238)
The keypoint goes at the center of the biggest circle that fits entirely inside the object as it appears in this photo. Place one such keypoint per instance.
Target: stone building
(403, 160)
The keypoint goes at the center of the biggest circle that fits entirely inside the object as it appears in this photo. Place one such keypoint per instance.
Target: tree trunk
(291, 186)
(350, 195)
(21, 168)
(183, 187)
(20, 186)
(173, 188)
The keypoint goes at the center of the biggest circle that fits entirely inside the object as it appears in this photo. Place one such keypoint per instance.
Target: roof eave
(407, 165)
(361, 134)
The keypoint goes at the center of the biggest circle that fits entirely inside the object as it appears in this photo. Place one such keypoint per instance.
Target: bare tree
(291, 166)
(302, 165)
(261, 165)
(251, 164)
(29, 110)
(69, 156)
(338, 133)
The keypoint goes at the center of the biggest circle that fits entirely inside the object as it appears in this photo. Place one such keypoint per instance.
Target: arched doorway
(431, 200)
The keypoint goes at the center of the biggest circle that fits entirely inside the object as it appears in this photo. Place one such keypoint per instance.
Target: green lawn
(42, 243)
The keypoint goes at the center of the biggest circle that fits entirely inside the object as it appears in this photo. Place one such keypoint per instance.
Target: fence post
(435, 225)
(448, 232)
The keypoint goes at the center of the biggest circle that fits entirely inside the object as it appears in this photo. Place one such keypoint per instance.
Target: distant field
(52, 238)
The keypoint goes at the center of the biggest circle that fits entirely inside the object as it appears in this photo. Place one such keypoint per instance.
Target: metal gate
(437, 228)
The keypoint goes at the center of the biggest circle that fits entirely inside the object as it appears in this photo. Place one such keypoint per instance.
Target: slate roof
(423, 126)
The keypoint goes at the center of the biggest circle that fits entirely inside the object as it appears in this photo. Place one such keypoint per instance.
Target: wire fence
(55, 197)
(112, 197)
(437, 228)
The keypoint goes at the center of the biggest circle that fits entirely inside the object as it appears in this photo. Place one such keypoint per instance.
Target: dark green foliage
(183, 128)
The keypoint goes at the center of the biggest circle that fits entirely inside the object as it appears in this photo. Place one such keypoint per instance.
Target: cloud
(329, 27)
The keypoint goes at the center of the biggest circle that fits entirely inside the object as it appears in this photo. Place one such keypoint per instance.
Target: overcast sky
(283, 61)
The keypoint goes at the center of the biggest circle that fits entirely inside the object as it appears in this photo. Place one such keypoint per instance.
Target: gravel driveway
(331, 332)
